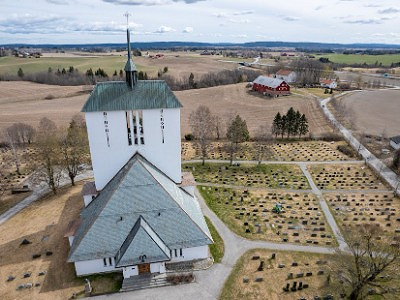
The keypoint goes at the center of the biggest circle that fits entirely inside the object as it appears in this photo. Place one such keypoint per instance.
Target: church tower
(125, 117)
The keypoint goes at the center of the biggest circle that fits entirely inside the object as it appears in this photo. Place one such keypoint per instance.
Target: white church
(140, 212)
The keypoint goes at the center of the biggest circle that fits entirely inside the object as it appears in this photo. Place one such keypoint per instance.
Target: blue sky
(102, 21)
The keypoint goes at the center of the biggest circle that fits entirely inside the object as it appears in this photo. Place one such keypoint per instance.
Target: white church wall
(190, 254)
(107, 160)
(130, 271)
(157, 267)
(93, 266)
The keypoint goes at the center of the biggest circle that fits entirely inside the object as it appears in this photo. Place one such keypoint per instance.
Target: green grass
(10, 65)
(106, 283)
(217, 249)
(267, 176)
(385, 59)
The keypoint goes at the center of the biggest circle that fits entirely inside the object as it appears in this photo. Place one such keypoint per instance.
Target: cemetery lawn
(218, 248)
(249, 214)
(274, 279)
(345, 177)
(266, 176)
(44, 224)
(354, 210)
(292, 150)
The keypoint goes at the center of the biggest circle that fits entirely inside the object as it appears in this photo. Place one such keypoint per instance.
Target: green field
(10, 65)
(385, 59)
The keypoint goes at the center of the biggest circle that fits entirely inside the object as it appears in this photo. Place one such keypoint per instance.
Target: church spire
(130, 68)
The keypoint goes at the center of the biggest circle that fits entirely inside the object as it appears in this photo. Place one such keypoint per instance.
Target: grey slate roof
(117, 95)
(268, 81)
(395, 139)
(139, 189)
(142, 246)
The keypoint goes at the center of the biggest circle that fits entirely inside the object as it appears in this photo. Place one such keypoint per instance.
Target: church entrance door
(144, 268)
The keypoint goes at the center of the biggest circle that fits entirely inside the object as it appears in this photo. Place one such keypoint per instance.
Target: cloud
(220, 15)
(389, 10)
(241, 21)
(244, 12)
(59, 2)
(364, 21)
(291, 18)
(164, 29)
(241, 36)
(188, 29)
(319, 7)
(149, 2)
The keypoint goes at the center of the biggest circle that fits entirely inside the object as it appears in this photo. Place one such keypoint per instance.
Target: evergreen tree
(191, 80)
(71, 69)
(303, 125)
(145, 76)
(290, 121)
(20, 73)
(121, 73)
(165, 69)
(89, 73)
(64, 71)
(283, 125)
(50, 70)
(140, 75)
(276, 125)
(115, 73)
(296, 125)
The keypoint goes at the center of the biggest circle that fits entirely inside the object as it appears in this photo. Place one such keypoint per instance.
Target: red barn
(271, 86)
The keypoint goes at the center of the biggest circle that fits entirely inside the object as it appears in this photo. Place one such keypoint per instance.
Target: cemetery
(280, 151)
(276, 275)
(352, 210)
(266, 176)
(273, 216)
(345, 177)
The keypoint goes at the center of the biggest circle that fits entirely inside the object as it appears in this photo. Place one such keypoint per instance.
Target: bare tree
(4, 185)
(12, 143)
(46, 160)
(219, 127)
(370, 264)
(74, 148)
(202, 124)
(237, 133)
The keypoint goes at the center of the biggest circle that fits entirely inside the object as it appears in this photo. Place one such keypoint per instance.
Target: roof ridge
(171, 196)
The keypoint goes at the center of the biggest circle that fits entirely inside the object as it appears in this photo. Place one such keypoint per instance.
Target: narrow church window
(105, 262)
(110, 261)
(106, 130)
(135, 126)
(162, 126)
(180, 252)
(141, 131)
(128, 127)
(176, 252)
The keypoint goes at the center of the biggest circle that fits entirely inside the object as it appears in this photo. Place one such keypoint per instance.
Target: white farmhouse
(328, 83)
(288, 76)
(140, 212)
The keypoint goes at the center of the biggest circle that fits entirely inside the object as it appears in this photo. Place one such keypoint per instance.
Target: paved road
(276, 162)
(372, 160)
(38, 192)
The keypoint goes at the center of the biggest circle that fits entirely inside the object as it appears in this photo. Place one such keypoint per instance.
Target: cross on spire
(127, 15)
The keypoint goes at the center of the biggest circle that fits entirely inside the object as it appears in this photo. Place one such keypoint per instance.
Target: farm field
(377, 209)
(280, 151)
(22, 101)
(180, 64)
(375, 112)
(345, 177)
(266, 176)
(312, 270)
(256, 109)
(249, 214)
(47, 239)
(385, 59)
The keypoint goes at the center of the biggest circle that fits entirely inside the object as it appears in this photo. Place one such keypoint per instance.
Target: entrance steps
(144, 282)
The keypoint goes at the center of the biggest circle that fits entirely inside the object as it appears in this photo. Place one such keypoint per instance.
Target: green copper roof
(173, 218)
(145, 94)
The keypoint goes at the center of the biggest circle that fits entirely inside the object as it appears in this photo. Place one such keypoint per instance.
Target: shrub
(189, 137)
(345, 150)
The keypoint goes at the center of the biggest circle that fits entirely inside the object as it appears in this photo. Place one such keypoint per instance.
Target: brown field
(25, 102)
(276, 274)
(44, 224)
(376, 112)
(256, 109)
(22, 101)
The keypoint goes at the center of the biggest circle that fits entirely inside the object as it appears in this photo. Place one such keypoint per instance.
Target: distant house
(328, 83)
(286, 75)
(271, 86)
(395, 142)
